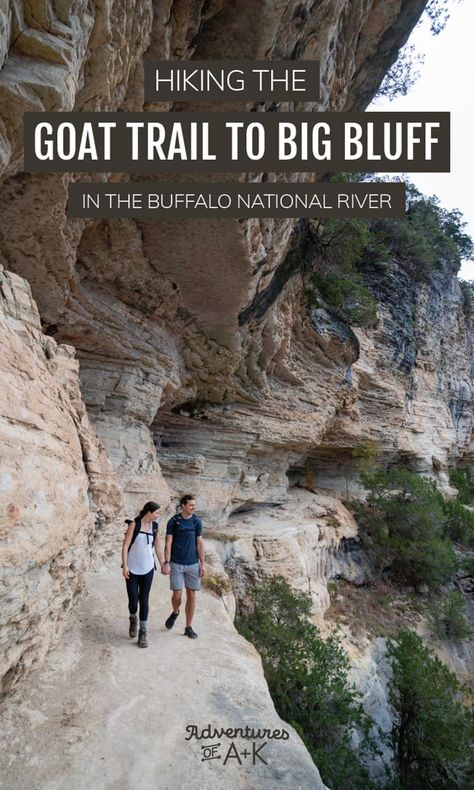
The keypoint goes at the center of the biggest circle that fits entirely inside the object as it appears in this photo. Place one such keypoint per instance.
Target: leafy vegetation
(447, 617)
(426, 236)
(340, 247)
(404, 526)
(403, 74)
(459, 522)
(307, 678)
(423, 240)
(467, 290)
(462, 478)
(433, 733)
(218, 583)
(367, 453)
(467, 566)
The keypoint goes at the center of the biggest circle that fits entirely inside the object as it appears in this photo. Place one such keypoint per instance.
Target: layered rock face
(153, 308)
(58, 490)
(201, 366)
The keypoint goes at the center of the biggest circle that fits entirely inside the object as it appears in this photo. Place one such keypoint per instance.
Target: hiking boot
(171, 619)
(188, 631)
(132, 631)
(142, 640)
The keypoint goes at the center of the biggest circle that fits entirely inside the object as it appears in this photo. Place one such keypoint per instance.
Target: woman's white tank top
(140, 557)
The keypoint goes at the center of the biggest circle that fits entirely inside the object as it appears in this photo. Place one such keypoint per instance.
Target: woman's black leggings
(138, 589)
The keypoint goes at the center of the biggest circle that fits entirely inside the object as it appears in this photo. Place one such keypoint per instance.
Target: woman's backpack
(137, 530)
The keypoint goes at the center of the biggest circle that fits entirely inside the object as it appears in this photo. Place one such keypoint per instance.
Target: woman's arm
(159, 551)
(125, 546)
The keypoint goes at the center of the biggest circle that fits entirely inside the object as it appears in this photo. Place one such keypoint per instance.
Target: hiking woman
(140, 543)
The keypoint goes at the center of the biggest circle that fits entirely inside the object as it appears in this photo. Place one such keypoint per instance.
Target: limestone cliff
(58, 490)
(200, 365)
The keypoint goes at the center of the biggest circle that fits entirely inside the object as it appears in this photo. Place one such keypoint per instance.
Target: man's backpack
(178, 517)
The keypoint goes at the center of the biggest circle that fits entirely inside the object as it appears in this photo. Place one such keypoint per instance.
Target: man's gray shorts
(184, 576)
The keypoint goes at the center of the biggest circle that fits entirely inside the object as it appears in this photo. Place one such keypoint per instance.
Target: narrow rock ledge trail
(100, 713)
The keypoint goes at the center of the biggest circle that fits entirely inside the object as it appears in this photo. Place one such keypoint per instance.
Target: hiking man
(184, 561)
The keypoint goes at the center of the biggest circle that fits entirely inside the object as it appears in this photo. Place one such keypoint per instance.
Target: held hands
(165, 569)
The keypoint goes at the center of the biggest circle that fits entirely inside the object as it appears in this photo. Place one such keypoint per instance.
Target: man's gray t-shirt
(183, 547)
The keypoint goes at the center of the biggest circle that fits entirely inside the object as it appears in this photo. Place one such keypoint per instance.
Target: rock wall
(153, 308)
(201, 367)
(58, 491)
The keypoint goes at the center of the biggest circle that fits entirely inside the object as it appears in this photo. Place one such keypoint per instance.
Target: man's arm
(166, 563)
(201, 554)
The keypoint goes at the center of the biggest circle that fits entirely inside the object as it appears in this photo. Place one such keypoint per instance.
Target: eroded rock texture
(201, 366)
(58, 489)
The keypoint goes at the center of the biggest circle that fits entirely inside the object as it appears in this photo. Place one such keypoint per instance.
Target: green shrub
(340, 245)
(307, 678)
(424, 238)
(347, 294)
(433, 733)
(467, 290)
(404, 526)
(427, 238)
(367, 454)
(459, 522)
(447, 617)
(467, 566)
(462, 478)
(404, 72)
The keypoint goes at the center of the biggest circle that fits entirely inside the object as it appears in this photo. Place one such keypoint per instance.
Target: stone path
(102, 713)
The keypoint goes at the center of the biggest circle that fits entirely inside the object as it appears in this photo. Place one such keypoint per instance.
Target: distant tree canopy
(433, 732)
(427, 235)
(308, 680)
(462, 478)
(447, 618)
(404, 525)
(342, 249)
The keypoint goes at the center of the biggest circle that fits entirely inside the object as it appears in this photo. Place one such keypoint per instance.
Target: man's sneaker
(171, 619)
(142, 640)
(188, 631)
(132, 631)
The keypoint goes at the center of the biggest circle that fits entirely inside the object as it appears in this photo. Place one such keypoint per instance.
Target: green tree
(339, 251)
(426, 236)
(459, 522)
(447, 617)
(467, 290)
(433, 733)
(462, 478)
(367, 454)
(403, 74)
(467, 566)
(307, 678)
(404, 526)
(335, 279)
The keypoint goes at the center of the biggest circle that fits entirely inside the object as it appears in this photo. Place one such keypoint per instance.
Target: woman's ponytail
(148, 507)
